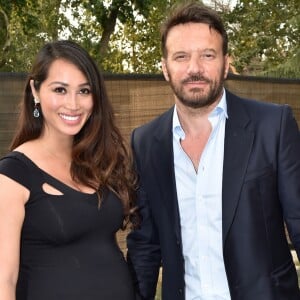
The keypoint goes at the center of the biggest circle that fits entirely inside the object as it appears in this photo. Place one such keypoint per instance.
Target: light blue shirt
(200, 207)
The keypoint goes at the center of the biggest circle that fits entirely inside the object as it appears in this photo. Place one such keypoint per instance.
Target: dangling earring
(36, 111)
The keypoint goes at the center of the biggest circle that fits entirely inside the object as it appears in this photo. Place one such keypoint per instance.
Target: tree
(97, 21)
(29, 23)
(89, 22)
(6, 10)
(138, 42)
(288, 69)
(264, 35)
(123, 35)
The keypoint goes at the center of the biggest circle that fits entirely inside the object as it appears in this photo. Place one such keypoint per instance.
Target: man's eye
(180, 57)
(208, 56)
(60, 90)
(85, 91)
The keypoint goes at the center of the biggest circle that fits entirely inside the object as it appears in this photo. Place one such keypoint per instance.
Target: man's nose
(195, 65)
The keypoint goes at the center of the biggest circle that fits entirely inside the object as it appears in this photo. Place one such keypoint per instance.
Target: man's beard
(199, 98)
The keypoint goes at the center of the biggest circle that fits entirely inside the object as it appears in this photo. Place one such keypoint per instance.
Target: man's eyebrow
(209, 50)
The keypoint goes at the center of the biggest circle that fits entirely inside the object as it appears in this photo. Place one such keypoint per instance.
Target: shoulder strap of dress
(18, 167)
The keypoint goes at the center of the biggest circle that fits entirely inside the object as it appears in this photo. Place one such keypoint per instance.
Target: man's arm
(143, 256)
(289, 175)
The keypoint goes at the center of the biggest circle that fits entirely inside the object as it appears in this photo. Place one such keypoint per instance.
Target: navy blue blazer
(261, 191)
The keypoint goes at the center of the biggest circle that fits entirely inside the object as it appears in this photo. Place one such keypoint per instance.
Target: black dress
(68, 245)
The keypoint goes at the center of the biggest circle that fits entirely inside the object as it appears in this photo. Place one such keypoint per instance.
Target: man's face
(195, 64)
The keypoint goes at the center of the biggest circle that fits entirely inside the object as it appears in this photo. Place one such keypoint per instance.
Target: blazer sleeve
(143, 255)
(289, 175)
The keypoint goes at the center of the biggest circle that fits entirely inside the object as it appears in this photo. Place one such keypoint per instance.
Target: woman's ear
(33, 90)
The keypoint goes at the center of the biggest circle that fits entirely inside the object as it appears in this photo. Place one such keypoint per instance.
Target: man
(219, 175)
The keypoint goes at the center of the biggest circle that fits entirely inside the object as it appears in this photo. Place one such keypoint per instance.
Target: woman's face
(65, 99)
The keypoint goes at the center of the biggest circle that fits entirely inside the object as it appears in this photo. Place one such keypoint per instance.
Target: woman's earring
(36, 110)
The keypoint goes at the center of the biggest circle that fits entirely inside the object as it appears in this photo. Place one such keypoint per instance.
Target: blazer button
(180, 291)
(177, 242)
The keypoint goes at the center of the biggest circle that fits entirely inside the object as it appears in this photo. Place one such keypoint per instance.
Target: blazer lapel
(237, 147)
(163, 166)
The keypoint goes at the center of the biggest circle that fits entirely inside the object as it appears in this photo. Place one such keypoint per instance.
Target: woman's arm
(13, 197)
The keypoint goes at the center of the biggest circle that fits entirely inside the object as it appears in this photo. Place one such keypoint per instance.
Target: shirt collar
(221, 108)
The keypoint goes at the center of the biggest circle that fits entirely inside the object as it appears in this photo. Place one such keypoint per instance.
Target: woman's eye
(85, 91)
(60, 90)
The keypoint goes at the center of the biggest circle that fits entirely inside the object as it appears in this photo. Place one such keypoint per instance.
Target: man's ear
(227, 65)
(164, 69)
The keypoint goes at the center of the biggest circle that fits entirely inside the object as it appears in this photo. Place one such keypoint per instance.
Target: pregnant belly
(100, 280)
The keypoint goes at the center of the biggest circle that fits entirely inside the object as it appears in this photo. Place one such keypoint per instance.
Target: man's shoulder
(252, 105)
(160, 128)
(160, 120)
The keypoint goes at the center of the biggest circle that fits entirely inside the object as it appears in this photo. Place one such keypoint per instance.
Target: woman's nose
(72, 101)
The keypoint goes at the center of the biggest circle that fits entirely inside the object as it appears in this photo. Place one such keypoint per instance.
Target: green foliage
(3, 28)
(30, 24)
(123, 35)
(138, 42)
(264, 35)
(288, 69)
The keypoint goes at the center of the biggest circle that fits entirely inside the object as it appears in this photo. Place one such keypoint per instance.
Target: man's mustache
(195, 78)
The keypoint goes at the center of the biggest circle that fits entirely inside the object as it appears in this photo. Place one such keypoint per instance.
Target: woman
(66, 187)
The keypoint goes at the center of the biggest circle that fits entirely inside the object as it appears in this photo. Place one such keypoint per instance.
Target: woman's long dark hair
(100, 157)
